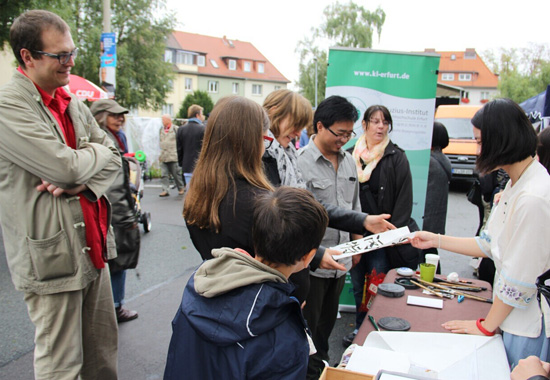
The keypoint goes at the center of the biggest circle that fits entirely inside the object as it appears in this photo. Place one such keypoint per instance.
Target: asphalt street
(154, 289)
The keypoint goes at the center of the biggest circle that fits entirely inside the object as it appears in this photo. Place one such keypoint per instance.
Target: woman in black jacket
(385, 184)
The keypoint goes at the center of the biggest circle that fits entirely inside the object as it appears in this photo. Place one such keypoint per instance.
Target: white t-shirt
(517, 238)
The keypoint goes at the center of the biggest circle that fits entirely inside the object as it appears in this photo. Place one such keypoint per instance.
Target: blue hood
(240, 313)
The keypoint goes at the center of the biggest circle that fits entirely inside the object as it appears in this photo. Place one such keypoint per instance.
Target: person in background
(110, 117)
(55, 166)
(543, 148)
(189, 141)
(437, 194)
(261, 333)
(516, 235)
(385, 186)
(169, 157)
(329, 173)
(304, 136)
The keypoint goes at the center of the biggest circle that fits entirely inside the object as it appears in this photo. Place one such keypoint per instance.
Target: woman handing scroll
(516, 236)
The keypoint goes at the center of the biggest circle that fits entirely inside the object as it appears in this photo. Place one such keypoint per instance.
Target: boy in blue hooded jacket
(237, 319)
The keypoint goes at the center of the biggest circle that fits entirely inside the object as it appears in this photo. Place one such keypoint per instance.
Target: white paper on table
(370, 360)
(452, 356)
(425, 301)
(373, 242)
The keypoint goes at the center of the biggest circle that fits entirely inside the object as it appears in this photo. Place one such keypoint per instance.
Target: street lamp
(315, 59)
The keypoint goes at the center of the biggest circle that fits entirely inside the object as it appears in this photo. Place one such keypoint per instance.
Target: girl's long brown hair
(231, 148)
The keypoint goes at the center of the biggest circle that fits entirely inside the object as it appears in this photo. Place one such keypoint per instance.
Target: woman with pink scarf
(385, 187)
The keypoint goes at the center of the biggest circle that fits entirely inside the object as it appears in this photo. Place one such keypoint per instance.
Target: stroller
(136, 161)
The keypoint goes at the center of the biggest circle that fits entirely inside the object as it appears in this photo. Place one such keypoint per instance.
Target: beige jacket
(44, 236)
(168, 149)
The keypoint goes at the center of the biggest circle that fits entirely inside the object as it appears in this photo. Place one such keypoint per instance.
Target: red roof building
(220, 66)
(467, 71)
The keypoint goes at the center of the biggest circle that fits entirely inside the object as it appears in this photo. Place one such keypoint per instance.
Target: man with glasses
(55, 166)
(329, 172)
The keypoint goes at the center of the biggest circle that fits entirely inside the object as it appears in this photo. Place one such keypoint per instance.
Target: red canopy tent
(85, 90)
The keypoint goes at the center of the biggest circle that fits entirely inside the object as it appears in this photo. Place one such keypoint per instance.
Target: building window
(232, 64)
(277, 88)
(168, 109)
(464, 77)
(184, 58)
(447, 76)
(256, 89)
(212, 86)
(168, 56)
(214, 63)
(188, 84)
(247, 66)
(235, 88)
(260, 67)
(484, 95)
(201, 60)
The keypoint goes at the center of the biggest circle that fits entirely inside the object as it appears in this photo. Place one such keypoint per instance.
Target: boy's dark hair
(332, 110)
(287, 224)
(543, 148)
(507, 136)
(26, 32)
(385, 111)
(440, 136)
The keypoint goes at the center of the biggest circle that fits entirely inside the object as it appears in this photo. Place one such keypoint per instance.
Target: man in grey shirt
(330, 174)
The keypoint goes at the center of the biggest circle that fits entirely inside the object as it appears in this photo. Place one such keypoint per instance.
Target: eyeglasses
(116, 115)
(377, 121)
(63, 58)
(342, 135)
(268, 141)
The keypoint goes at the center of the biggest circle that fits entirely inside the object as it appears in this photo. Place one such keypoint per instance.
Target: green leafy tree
(523, 72)
(346, 25)
(141, 26)
(198, 97)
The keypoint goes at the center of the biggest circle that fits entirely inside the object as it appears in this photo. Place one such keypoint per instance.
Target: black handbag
(474, 194)
(542, 288)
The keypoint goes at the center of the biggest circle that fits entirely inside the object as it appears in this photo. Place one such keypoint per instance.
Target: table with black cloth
(425, 319)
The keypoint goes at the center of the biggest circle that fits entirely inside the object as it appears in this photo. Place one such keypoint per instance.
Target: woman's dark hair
(543, 148)
(287, 224)
(507, 136)
(440, 137)
(385, 112)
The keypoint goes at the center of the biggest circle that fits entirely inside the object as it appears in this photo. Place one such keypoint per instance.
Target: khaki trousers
(76, 332)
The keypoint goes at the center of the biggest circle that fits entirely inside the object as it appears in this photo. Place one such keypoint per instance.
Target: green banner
(406, 84)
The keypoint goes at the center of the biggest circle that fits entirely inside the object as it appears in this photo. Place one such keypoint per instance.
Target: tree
(307, 70)
(200, 98)
(523, 72)
(348, 25)
(141, 27)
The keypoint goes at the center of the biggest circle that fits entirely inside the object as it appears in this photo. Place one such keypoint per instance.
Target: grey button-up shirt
(339, 188)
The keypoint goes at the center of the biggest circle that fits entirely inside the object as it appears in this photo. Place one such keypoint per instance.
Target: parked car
(462, 149)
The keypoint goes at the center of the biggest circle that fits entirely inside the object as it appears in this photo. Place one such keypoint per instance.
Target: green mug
(427, 272)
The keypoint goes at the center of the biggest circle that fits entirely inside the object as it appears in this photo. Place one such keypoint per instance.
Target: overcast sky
(275, 27)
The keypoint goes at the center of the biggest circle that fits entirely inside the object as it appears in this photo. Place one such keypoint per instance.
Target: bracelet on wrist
(483, 329)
